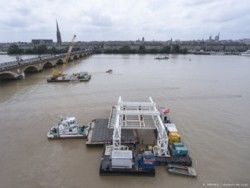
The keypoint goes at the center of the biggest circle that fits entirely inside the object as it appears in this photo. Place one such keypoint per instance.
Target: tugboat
(68, 128)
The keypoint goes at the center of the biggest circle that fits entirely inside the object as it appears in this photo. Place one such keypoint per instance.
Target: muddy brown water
(209, 98)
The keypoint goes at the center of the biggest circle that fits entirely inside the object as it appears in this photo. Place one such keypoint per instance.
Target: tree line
(40, 49)
(174, 49)
(43, 49)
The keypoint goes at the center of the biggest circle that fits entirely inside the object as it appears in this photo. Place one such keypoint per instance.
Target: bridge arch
(75, 57)
(59, 61)
(30, 69)
(8, 75)
(47, 65)
(71, 58)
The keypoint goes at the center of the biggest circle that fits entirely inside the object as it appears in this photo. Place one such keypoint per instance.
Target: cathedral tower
(58, 34)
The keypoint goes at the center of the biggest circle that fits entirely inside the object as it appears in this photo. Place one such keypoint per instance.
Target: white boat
(246, 53)
(68, 128)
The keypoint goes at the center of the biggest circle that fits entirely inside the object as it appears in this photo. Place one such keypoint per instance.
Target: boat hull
(106, 170)
(68, 80)
(182, 170)
(56, 80)
(51, 136)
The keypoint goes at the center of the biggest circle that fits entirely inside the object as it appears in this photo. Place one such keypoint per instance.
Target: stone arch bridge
(18, 69)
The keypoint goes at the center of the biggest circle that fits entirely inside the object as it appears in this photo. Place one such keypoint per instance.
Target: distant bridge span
(18, 69)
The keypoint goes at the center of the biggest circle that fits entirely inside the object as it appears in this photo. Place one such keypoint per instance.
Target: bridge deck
(6, 66)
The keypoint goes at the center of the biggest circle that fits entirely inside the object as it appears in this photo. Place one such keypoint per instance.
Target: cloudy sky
(22, 20)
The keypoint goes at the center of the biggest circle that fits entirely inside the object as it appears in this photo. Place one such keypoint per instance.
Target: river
(209, 98)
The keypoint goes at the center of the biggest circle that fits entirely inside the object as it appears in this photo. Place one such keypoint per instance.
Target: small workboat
(109, 71)
(162, 58)
(68, 128)
(181, 170)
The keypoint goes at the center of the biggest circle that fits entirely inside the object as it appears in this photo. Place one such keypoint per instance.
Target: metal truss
(139, 115)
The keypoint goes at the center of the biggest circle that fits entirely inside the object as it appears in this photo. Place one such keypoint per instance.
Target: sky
(102, 20)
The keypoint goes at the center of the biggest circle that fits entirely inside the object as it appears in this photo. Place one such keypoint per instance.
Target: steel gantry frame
(140, 109)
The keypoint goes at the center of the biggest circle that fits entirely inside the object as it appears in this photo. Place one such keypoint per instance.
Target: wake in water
(205, 97)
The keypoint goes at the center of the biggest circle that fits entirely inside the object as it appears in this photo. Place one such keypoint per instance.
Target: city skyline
(124, 20)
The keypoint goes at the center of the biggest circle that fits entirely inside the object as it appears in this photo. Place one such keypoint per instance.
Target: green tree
(165, 49)
(125, 50)
(42, 49)
(142, 49)
(28, 51)
(152, 51)
(53, 50)
(183, 51)
(14, 49)
(175, 48)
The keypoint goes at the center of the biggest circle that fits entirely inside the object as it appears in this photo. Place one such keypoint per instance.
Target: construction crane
(66, 59)
(56, 73)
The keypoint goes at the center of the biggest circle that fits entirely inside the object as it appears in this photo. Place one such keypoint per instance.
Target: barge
(168, 149)
(181, 170)
(125, 162)
(68, 128)
(162, 58)
(76, 77)
(125, 153)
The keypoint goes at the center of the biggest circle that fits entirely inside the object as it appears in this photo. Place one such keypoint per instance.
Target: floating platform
(100, 134)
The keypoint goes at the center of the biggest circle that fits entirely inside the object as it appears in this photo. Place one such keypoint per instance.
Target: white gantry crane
(138, 115)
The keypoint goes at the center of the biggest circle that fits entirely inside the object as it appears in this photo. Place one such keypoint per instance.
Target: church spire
(58, 34)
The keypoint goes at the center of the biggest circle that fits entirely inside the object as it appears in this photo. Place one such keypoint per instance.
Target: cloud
(124, 19)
